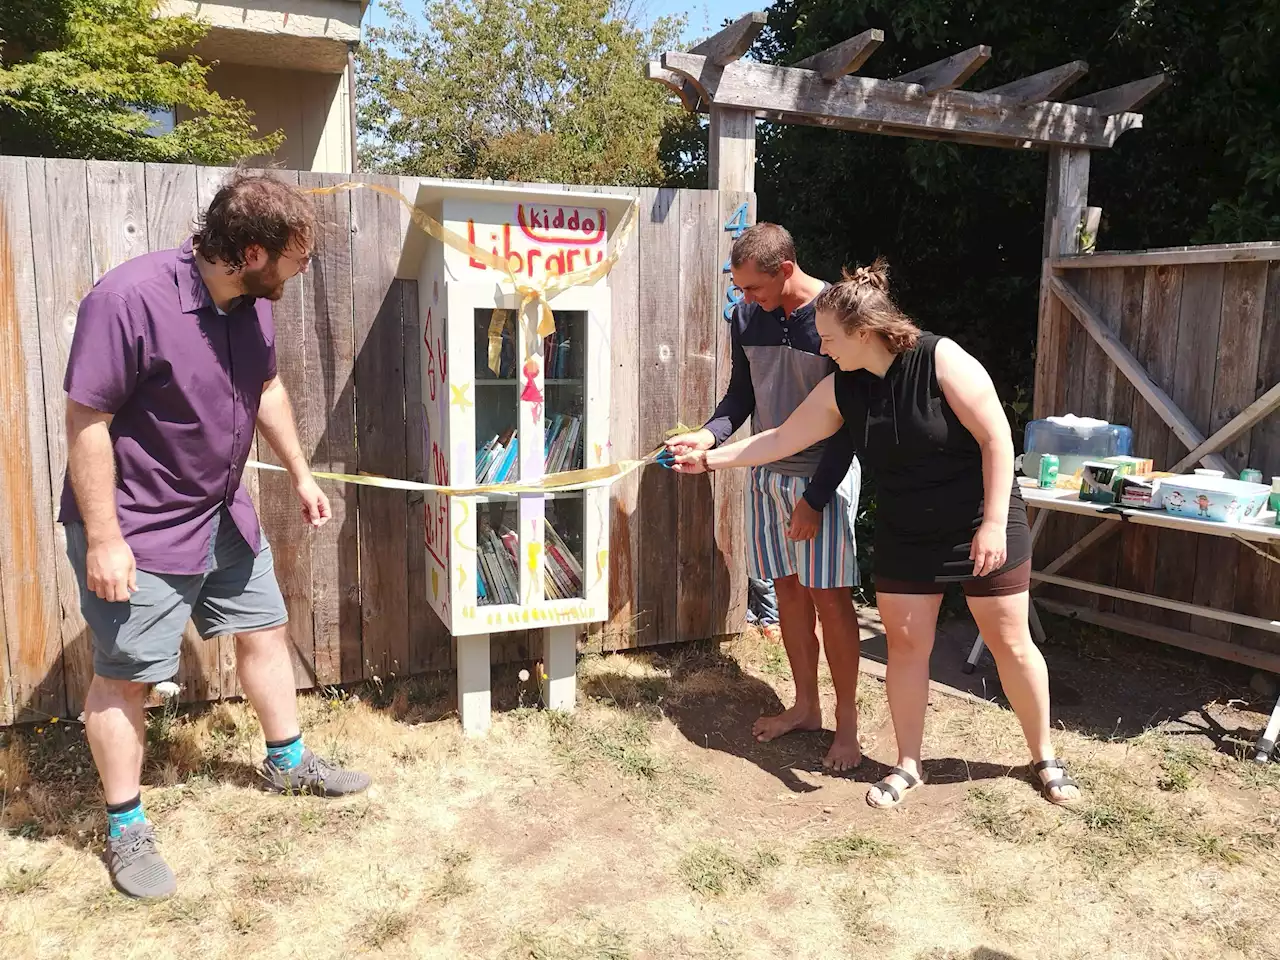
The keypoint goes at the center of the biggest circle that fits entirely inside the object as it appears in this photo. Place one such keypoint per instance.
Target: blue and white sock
(284, 755)
(122, 815)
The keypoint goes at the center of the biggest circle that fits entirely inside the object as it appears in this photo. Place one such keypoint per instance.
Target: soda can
(1048, 471)
(1251, 476)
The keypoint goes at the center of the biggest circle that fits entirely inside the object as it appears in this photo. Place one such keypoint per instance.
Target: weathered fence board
(695, 353)
(1258, 579)
(27, 580)
(57, 191)
(329, 436)
(1207, 331)
(737, 208)
(347, 349)
(660, 358)
(379, 389)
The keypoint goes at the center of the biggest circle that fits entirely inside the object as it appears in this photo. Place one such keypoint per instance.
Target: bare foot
(788, 721)
(845, 753)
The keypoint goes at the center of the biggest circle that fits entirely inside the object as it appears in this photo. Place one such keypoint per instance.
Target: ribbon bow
(538, 291)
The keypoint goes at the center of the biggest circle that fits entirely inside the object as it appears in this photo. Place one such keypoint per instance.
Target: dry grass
(645, 825)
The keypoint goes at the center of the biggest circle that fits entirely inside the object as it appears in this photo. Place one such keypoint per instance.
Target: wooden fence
(347, 341)
(1203, 325)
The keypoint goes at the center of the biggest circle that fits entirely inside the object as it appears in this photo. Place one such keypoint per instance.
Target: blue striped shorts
(827, 561)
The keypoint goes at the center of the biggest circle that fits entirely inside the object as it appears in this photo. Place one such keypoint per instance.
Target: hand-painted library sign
(539, 238)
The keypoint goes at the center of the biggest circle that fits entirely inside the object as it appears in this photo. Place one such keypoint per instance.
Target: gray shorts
(140, 639)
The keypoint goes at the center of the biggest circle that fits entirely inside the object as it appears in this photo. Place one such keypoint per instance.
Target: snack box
(1137, 466)
(1097, 481)
(1139, 493)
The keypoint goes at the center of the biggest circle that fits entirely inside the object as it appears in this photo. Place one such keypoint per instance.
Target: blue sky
(702, 16)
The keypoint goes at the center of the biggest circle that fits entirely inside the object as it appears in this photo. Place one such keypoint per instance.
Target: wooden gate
(1184, 346)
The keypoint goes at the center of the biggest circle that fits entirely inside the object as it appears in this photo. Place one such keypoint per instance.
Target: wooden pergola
(928, 103)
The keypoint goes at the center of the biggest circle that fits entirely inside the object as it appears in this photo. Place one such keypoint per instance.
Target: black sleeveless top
(928, 471)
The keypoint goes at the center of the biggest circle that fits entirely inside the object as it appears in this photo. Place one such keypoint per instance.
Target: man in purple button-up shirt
(172, 367)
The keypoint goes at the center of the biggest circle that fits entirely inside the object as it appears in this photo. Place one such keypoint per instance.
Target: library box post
(500, 403)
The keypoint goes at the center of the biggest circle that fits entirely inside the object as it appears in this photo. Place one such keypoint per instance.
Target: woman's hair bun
(875, 276)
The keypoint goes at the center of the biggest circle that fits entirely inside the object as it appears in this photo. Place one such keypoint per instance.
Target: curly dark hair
(254, 208)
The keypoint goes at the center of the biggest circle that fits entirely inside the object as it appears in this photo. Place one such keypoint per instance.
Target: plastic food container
(1073, 440)
(1213, 498)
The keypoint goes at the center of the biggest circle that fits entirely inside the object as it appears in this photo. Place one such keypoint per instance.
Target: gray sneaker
(314, 775)
(137, 869)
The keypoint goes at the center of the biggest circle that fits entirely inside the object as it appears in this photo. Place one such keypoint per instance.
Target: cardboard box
(1097, 481)
(1138, 493)
(1135, 466)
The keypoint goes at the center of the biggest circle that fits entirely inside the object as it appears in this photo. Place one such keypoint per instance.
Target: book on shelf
(496, 461)
(498, 567)
(498, 579)
(555, 357)
(563, 436)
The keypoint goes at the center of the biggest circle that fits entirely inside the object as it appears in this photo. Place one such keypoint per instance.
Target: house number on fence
(737, 224)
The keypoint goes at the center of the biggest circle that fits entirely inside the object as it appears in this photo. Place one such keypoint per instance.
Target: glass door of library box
(559, 408)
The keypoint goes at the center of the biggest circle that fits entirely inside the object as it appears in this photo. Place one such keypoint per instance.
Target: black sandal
(888, 789)
(1047, 788)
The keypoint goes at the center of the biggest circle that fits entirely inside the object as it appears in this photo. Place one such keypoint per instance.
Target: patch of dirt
(650, 824)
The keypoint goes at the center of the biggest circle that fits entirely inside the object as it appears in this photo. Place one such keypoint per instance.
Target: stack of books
(498, 573)
(564, 443)
(563, 572)
(497, 576)
(555, 357)
(497, 461)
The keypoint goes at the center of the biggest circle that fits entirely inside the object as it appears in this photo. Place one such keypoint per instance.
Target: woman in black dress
(926, 419)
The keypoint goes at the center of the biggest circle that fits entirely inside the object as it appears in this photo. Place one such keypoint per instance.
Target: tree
(76, 77)
(530, 90)
(962, 225)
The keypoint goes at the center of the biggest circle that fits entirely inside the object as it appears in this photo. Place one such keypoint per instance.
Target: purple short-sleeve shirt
(183, 382)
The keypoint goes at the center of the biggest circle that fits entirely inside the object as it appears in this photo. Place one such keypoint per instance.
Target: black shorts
(1005, 582)
(925, 561)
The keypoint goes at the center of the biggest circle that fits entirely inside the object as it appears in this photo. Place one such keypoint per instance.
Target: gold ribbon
(564, 481)
(530, 292)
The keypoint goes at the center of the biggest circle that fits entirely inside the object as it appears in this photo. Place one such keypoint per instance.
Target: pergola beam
(892, 106)
(701, 73)
(887, 130)
(678, 85)
(845, 57)
(1046, 85)
(950, 73)
(1124, 98)
(733, 41)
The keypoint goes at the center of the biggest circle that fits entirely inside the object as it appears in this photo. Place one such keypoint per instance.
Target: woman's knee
(1005, 626)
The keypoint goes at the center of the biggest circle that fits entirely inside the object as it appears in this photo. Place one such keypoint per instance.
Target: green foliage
(961, 226)
(76, 76)
(531, 90)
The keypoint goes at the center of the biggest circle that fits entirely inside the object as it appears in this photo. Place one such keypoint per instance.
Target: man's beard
(264, 283)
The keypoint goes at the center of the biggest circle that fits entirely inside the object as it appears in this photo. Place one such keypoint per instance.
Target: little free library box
(504, 404)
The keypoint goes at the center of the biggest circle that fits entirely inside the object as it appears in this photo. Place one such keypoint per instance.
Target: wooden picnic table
(1260, 534)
